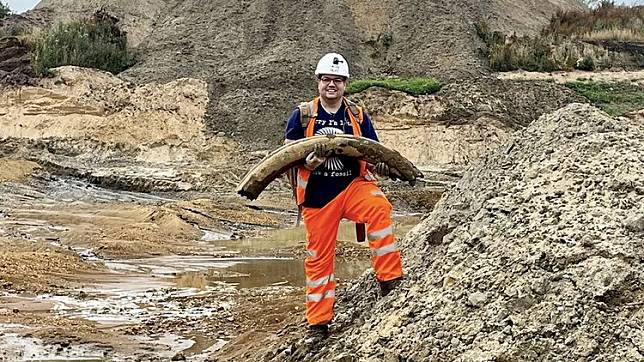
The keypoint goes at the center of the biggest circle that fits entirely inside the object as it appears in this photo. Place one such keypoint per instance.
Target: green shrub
(413, 86)
(585, 63)
(95, 43)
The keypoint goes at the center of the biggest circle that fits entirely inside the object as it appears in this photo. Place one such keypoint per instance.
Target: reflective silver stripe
(321, 281)
(300, 182)
(318, 297)
(385, 250)
(378, 193)
(312, 253)
(380, 233)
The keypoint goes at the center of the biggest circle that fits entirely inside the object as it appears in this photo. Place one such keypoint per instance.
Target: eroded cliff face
(462, 122)
(412, 126)
(92, 124)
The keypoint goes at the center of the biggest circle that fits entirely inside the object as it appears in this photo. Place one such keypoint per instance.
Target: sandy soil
(577, 75)
(16, 170)
(38, 266)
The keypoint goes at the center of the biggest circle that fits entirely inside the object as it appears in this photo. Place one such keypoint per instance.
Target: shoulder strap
(355, 109)
(306, 113)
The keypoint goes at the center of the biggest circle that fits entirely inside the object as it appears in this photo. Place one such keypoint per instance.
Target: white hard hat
(333, 64)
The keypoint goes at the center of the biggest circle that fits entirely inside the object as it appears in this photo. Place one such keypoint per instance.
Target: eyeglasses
(327, 80)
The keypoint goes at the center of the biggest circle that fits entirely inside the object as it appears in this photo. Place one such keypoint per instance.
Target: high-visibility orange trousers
(363, 202)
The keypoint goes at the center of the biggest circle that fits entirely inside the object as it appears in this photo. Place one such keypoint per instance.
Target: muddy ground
(93, 274)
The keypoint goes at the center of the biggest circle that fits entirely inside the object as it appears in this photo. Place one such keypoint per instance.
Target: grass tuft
(414, 86)
(615, 99)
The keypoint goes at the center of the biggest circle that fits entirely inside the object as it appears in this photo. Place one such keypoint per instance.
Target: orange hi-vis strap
(308, 114)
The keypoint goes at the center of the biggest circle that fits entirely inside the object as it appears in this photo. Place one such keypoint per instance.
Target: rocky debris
(462, 122)
(528, 258)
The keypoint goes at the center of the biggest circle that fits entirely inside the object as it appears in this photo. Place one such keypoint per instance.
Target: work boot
(317, 333)
(387, 286)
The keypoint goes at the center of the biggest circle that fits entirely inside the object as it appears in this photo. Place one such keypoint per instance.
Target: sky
(19, 6)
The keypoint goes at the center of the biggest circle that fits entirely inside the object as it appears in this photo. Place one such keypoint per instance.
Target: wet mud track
(92, 274)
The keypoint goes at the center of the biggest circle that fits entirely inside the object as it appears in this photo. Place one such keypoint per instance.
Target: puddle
(211, 235)
(243, 272)
(173, 265)
(296, 236)
(134, 302)
(150, 291)
(286, 272)
(16, 347)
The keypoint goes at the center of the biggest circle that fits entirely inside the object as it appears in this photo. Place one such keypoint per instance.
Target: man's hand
(382, 169)
(313, 161)
(320, 149)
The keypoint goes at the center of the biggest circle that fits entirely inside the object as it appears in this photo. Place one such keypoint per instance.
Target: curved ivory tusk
(293, 154)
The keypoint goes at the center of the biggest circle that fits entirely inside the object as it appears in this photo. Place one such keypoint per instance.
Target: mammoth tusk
(293, 154)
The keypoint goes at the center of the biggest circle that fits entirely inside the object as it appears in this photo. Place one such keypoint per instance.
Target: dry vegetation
(583, 40)
(606, 22)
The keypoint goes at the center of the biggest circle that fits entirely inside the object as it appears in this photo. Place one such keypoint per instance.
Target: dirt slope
(535, 255)
(258, 57)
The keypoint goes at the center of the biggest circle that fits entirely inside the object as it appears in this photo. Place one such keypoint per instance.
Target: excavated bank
(292, 154)
(535, 255)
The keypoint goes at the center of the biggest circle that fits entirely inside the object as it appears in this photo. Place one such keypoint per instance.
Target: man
(330, 188)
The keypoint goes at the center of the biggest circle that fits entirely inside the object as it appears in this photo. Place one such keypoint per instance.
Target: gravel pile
(536, 254)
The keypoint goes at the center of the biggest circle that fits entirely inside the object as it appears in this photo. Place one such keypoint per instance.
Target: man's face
(331, 87)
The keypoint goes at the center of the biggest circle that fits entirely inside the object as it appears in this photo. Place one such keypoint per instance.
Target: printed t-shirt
(337, 172)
